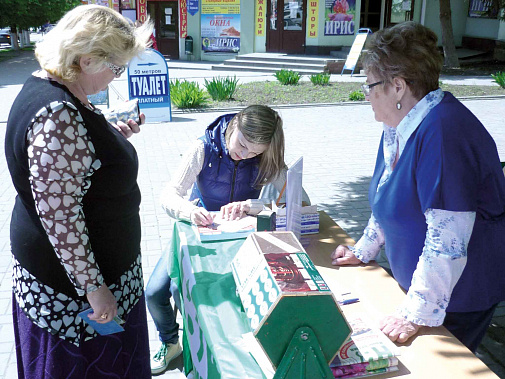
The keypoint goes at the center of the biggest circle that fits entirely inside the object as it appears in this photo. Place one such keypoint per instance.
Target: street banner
(260, 8)
(148, 81)
(313, 19)
(339, 17)
(183, 22)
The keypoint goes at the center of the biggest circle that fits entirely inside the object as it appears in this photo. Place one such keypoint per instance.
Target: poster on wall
(220, 26)
(482, 9)
(339, 17)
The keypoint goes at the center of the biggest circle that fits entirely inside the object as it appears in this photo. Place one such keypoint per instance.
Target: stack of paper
(225, 230)
(367, 352)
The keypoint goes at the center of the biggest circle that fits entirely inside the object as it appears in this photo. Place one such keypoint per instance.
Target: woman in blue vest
(437, 194)
(226, 169)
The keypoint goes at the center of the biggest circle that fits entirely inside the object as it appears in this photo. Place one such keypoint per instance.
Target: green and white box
(281, 290)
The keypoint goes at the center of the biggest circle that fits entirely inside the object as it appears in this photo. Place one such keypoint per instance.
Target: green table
(211, 310)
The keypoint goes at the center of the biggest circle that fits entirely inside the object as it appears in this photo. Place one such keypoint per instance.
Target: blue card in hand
(110, 327)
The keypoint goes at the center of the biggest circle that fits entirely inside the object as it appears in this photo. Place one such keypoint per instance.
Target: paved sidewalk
(339, 146)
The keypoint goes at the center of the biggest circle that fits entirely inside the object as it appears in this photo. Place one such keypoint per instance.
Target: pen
(348, 301)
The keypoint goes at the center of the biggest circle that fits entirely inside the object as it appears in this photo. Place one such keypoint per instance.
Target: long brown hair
(262, 125)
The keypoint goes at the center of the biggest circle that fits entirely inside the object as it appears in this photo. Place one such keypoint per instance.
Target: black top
(110, 205)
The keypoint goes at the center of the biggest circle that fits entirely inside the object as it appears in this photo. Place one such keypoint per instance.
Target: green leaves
(356, 96)
(499, 78)
(23, 14)
(321, 79)
(184, 94)
(288, 77)
(221, 88)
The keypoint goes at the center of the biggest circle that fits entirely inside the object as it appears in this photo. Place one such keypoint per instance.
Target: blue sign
(148, 81)
(192, 7)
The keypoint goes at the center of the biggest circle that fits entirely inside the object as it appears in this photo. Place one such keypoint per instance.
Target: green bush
(221, 88)
(499, 78)
(322, 79)
(356, 96)
(288, 77)
(184, 94)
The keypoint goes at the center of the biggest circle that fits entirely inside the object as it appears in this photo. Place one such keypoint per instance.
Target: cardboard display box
(309, 219)
(281, 291)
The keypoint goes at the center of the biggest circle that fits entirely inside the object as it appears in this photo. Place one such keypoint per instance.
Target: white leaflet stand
(294, 198)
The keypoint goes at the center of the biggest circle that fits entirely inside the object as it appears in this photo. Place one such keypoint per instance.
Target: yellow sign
(313, 15)
(261, 8)
(220, 6)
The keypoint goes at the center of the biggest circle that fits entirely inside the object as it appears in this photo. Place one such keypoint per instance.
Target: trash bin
(188, 45)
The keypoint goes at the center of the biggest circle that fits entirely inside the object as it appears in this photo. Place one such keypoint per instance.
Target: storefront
(221, 29)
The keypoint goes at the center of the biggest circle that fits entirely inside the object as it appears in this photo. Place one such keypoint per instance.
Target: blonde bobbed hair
(94, 31)
(262, 125)
(407, 50)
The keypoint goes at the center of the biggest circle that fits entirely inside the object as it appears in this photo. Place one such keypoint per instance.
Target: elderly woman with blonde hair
(75, 229)
(437, 194)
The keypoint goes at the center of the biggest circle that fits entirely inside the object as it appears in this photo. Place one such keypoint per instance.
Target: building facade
(214, 30)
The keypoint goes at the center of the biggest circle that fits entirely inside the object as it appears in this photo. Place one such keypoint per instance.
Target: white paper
(294, 198)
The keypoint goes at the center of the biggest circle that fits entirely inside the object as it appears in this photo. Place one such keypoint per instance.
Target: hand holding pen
(201, 216)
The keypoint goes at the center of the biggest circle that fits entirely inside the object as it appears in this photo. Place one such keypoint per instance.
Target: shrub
(356, 96)
(499, 78)
(184, 94)
(221, 88)
(321, 79)
(288, 77)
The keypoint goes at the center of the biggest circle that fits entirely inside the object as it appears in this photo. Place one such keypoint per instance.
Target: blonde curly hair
(95, 31)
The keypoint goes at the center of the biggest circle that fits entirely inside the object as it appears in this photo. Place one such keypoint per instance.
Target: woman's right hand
(343, 256)
(103, 303)
(201, 216)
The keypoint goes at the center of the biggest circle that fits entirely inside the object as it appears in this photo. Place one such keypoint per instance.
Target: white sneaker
(166, 353)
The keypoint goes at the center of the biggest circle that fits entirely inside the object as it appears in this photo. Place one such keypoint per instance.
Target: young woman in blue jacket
(226, 170)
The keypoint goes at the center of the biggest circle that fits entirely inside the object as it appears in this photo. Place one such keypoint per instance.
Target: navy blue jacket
(450, 162)
(223, 180)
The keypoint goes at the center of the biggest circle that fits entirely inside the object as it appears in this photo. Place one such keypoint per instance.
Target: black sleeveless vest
(110, 206)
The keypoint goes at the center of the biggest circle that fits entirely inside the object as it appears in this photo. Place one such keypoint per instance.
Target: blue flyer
(110, 327)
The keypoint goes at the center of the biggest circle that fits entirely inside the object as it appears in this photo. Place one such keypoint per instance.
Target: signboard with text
(148, 81)
(221, 32)
(192, 7)
(220, 25)
(339, 17)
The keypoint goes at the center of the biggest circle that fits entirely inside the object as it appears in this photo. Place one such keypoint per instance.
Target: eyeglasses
(116, 70)
(367, 87)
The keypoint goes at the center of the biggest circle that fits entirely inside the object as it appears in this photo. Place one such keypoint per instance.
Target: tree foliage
(23, 14)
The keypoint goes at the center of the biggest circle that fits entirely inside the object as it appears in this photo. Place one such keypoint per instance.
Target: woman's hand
(398, 329)
(201, 216)
(131, 128)
(343, 256)
(103, 303)
(235, 211)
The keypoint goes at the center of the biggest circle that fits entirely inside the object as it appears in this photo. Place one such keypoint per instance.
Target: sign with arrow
(148, 81)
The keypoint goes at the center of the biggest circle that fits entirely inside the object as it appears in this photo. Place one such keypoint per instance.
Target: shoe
(166, 353)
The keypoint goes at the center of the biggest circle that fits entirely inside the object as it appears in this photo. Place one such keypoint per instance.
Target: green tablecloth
(214, 321)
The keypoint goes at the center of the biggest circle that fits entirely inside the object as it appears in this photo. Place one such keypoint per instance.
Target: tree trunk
(451, 59)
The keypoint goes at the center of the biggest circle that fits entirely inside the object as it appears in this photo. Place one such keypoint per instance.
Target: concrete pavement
(338, 143)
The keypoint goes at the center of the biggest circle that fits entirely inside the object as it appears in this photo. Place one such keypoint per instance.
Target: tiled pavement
(339, 145)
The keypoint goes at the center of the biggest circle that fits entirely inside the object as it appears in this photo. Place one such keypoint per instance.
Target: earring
(398, 105)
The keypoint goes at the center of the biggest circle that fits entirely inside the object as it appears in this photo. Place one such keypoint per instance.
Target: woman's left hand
(235, 211)
(131, 128)
(398, 329)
